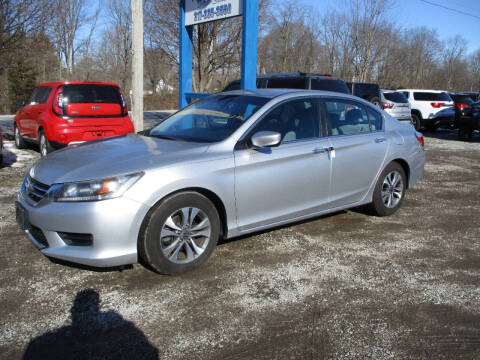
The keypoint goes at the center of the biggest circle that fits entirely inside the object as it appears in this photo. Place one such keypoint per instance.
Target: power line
(451, 9)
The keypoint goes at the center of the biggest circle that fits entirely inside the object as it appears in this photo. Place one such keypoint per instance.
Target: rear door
(92, 102)
(288, 181)
(30, 114)
(359, 147)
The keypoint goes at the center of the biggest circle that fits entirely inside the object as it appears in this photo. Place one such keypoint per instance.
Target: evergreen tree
(21, 81)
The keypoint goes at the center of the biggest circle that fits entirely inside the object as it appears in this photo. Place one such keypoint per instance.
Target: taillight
(124, 104)
(460, 106)
(436, 105)
(419, 137)
(58, 104)
(387, 105)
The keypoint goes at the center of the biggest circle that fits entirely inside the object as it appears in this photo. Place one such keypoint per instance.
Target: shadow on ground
(9, 159)
(93, 334)
(450, 134)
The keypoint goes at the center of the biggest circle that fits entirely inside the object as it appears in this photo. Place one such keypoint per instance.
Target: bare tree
(68, 18)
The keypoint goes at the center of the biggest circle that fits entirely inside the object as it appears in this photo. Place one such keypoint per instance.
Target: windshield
(91, 93)
(210, 120)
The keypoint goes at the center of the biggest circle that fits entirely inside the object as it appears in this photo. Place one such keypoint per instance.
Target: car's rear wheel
(180, 234)
(389, 190)
(416, 122)
(19, 142)
(465, 133)
(375, 100)
(44, 145)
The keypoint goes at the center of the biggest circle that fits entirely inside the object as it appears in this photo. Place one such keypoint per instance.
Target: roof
(272, 93)
(56, 83)
(423, 90)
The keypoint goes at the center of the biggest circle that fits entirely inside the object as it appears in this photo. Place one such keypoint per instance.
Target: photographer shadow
(93, 334)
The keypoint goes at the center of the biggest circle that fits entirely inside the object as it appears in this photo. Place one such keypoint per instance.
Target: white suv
(430, 108)
(396, 105)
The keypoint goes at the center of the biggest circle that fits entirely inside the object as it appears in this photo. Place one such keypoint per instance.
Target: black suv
(466, 115)
(296, 80)
(366, 91)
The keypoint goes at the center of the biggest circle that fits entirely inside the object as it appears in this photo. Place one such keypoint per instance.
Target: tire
(44, 145)
(465, 133)
(389, 190)
(172, 242)
(19, 142)
(375, 100)
(416, 122)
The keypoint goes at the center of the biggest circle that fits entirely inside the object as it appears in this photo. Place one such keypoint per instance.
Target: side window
(287, 83)
(42, 94)
(294, 120)
(33, 98)
(346, 118)
(405, 93)
(375, 120)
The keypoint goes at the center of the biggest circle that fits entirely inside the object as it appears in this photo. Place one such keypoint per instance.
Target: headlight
(94, 190)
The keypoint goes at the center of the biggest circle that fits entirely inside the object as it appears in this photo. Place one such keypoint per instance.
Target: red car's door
(33, 111)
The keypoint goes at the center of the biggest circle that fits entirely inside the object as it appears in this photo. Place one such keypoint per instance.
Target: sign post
(194, 12)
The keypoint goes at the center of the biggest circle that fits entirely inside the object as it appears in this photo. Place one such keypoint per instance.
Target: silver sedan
(228, 165)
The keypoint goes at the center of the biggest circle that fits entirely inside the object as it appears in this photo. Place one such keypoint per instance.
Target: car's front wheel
(180, 234)
(44, 145)
(389, 190)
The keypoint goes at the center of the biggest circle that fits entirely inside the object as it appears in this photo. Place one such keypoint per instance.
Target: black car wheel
(180, 234)
(416, 122)
(389, 190)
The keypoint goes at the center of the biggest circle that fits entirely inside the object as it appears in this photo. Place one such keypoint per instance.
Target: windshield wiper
(163, 137)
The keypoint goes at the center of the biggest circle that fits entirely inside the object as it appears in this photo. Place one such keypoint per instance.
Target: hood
(111, 157)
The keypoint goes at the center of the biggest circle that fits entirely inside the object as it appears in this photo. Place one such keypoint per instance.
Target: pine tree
(21, 81)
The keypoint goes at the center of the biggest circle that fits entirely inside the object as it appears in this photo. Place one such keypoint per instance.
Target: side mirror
(263, 139)
(20, 103)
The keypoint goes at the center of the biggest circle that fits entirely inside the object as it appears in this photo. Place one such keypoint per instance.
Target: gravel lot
(344, 286)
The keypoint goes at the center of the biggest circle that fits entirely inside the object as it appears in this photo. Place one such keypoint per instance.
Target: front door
(280, 183)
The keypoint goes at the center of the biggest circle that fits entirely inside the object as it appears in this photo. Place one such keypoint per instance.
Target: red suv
(62, 113)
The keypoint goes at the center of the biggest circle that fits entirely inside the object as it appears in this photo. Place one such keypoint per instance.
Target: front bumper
(114, 225)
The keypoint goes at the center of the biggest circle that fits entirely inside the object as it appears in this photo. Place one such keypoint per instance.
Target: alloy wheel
(17, 137)
(392, 189)
(185, 235)
(43, 145)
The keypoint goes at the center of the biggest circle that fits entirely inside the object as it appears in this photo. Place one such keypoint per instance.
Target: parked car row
(427, 109)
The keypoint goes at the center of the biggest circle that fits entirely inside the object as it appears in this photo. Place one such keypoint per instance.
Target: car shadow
(223, 241)
(9, 158)
(93, 334)
(88, 267)
(450, 134)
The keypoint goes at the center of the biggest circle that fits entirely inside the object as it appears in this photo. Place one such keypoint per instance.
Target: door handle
(380, 140)
(323, 150)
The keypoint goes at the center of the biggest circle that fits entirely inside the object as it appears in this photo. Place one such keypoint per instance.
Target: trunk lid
(93, 102)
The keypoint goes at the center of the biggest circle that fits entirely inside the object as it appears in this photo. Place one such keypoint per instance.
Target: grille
(35, 190)
(38, 235)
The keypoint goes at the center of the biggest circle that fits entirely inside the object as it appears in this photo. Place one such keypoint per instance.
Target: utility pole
(137, 63)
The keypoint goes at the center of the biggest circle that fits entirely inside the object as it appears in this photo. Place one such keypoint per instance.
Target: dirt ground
(344, 286)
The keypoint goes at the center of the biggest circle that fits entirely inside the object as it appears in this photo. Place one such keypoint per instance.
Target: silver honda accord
(228, 165)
